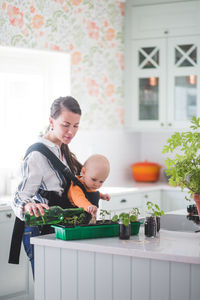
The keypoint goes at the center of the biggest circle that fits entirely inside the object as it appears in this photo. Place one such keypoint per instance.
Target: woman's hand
(33, 208)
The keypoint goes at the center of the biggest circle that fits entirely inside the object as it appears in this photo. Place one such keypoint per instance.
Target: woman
(38, 172)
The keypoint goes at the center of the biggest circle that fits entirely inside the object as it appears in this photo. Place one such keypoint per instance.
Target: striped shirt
(37, 172)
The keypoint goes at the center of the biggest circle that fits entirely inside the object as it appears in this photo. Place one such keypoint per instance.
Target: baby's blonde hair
(97, 161)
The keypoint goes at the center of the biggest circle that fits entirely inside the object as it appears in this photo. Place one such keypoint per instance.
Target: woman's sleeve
(32, 175)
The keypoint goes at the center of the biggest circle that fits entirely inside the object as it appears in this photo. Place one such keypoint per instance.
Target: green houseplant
(128, 224)
(155, 211)
(184, 165)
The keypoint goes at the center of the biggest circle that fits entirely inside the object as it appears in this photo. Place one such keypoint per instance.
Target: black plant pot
(150, 226)
(124, 232)
(158, 223)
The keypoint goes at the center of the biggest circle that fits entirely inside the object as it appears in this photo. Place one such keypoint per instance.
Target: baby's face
(94, 179)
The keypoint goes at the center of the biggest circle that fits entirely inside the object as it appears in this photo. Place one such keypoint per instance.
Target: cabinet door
(122, 203)
(183, 80)
(174, 200)
(14, 279)
(146, 84)
(169, 19)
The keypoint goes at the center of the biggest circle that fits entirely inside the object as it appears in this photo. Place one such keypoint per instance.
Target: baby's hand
(92, 209)
(105, 197)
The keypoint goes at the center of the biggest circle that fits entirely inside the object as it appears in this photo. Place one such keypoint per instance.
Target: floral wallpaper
(92, 31)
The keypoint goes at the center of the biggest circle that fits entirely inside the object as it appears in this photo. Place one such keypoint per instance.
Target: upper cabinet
(162, 65)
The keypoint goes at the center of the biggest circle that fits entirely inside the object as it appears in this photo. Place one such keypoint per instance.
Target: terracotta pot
(145, 171)
(197, 201)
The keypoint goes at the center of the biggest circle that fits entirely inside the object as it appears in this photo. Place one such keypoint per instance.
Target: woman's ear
(83, 171)
(51, 122)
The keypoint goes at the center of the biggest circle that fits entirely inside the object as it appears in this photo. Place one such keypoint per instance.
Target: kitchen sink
(178, 222)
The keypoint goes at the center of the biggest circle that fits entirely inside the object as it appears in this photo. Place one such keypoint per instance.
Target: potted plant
(155, 211)
(184, 165)
(128, 223)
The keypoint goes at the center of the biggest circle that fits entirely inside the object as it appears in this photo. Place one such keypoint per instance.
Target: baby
(93, 174)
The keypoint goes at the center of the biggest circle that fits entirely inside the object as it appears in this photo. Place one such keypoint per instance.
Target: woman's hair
(61, 103)
(57, 107)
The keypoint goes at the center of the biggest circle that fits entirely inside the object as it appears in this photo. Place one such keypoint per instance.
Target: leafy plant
(154, 209)
(184, 167)
(75, 220)
(126, 218)
(103, 214)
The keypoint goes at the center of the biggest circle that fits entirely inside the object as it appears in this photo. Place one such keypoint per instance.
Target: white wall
(151, 145)
(121, 148)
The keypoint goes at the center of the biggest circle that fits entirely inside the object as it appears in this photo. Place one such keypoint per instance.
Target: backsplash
(92, 32)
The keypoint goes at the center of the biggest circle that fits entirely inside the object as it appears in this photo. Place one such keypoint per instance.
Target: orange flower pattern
(38, 21)
(91, 32)
(76, 58)
(15, 16)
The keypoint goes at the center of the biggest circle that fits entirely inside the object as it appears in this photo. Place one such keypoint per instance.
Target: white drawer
(7, 216)
(122, 202)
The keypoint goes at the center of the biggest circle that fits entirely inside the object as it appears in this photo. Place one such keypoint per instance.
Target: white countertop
(169, 245)
(5, 202)
(138, 187)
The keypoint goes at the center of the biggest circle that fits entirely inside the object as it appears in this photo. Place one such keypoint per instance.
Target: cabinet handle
(170, 124)
(9, 215)
(145, 196)
(123, 201)
(161, 124)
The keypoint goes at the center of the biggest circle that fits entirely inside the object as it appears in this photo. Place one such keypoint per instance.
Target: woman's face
(64, 127)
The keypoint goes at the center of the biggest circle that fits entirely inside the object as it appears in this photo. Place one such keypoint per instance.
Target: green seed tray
(135, 227)
(91, 232)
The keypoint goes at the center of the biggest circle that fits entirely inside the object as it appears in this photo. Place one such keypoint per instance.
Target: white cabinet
(162, 69)
(15, 280)
(167, 19)
(167, 199)
(125, 202)
(174, 200)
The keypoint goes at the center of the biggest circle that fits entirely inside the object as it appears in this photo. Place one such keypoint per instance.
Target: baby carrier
(53, 199)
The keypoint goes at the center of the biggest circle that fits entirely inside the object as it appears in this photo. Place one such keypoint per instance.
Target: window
(29, 81)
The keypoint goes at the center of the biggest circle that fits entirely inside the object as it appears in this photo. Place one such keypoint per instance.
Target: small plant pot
(124, 231)
(150, 226)
(197, 201)
(158, 223)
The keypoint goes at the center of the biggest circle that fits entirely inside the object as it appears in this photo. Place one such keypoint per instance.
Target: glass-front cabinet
(164, 82)
(183, 80)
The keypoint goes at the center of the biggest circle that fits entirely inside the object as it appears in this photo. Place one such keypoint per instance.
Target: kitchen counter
(139, 187)
(165, 267)
(169, 245)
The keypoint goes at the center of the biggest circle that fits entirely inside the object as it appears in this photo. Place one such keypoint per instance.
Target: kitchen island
(166, 267)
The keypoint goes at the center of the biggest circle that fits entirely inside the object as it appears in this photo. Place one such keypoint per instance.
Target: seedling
(103, 214)
(154, 209)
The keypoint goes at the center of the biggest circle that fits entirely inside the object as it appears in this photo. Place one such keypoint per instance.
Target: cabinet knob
(146, 196)
(9, 215)
(123, 201)
(166, 32)
(170, 124)
(161, 124)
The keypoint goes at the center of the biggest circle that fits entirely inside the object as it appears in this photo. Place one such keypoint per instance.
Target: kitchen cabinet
(125, 202)
(168, 198)
(167, 267)
(162, 67)
(15, 280)
(174, 200)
